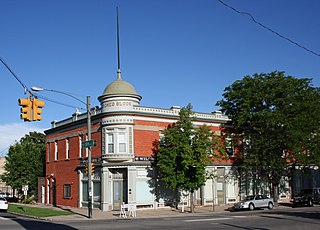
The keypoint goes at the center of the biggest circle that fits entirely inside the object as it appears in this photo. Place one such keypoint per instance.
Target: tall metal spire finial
(118, 46)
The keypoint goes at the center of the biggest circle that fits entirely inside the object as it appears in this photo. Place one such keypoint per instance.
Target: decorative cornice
(148, 113)
(117, 120)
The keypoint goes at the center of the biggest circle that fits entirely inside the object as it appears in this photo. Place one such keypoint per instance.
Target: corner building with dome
(124, 132)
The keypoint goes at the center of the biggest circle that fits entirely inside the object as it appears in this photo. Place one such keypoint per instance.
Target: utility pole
(88, 143)
(89, 159)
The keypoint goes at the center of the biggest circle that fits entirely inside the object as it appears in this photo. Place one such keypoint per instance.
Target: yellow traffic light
(26, 110)
(92, 168)
(36, 106)
(86, 169)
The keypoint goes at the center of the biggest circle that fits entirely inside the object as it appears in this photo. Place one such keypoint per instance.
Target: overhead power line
(57, 102)
(15, 76)
(27, 90)
(267, 28)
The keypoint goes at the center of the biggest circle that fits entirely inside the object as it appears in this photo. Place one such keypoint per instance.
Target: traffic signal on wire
(36, 106)
(26, 110)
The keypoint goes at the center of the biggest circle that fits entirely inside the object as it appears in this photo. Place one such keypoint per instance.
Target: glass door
(117, 194)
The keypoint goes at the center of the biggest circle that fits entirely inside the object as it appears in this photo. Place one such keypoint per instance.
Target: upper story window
(161, 135)
(229, 146)
(86, 149)
(110, 142)
(83, 152)
(117, 140)
(67, 149)
(80, 147)
(48, 151)
(56, 155)
(122, 142)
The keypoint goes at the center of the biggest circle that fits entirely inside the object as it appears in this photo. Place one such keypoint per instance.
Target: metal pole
(213, 194)
(89, 159)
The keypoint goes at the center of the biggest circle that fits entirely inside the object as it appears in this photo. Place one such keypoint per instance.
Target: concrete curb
(81, 213)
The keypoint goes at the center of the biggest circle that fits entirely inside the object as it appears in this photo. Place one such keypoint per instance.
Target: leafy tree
(182, 154)
(25, 162)
(276, 118)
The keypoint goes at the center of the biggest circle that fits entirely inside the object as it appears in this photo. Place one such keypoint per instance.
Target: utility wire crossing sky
(173, 52)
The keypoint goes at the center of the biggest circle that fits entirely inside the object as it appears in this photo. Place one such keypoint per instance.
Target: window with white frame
(80, 147)
(117, 140)
(56, 155)
(229, 146)
(161, 135)
(48, 156)
(67, 149)
(110, 142)
(122, 141)
(86, 149)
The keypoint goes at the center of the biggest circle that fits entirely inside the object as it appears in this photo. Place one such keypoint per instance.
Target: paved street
(279, 218)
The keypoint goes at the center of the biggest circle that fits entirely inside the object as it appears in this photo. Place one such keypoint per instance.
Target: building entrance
(120, 188)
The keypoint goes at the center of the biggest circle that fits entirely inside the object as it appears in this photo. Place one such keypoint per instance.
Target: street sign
(25, 187)
(87, 144)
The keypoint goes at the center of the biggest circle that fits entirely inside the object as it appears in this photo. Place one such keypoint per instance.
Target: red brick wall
(143, 139)
(143, 142)
(145, 133)
(64, 170)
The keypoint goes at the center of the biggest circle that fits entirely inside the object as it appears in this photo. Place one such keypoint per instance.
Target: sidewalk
(82, 213)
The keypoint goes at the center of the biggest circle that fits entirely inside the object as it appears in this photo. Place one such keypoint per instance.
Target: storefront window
(85, 191)
(96, 191)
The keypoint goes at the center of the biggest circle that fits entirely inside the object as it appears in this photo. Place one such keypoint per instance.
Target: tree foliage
(276, 117)
(25, 162)
(183, 152)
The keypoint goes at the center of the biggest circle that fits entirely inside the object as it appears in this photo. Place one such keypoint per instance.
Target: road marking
(253, 216)
(197, 220)
(239, 216)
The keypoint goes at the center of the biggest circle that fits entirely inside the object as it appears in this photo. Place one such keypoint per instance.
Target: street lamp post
(89, 158)
(37, 89)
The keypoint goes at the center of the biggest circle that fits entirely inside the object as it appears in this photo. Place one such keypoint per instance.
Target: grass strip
(36, 212)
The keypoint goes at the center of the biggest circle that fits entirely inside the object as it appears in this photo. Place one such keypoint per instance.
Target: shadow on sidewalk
(70, 210)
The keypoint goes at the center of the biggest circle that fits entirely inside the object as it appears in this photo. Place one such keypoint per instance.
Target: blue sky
(173, 52)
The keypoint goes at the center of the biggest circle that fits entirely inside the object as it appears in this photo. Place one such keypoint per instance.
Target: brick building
(124, 132)
(5, 190)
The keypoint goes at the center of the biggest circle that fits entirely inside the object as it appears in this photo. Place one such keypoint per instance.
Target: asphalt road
(289, 218)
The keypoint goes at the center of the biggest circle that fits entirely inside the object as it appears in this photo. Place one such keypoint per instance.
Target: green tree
(275, 117)
(25, 162)
(183, 153)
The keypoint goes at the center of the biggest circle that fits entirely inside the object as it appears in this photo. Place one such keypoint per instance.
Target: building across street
(119, 146)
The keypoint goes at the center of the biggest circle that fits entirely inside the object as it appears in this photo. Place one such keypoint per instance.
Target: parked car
(254, 201)
(3, 204)
(306, 197)
(5, 194)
